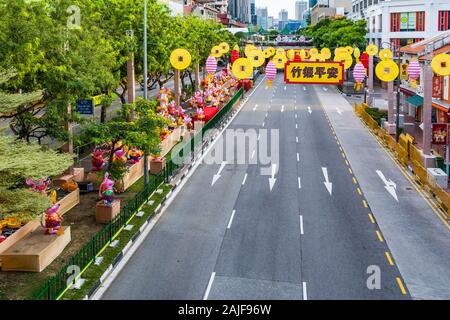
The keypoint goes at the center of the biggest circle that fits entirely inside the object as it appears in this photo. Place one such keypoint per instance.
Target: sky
(275, 6)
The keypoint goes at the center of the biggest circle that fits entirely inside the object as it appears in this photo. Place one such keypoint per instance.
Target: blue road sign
(85, 106)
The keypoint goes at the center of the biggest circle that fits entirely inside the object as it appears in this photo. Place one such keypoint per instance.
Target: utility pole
(146, 168)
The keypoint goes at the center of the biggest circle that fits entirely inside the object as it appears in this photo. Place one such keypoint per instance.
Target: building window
(375, 1)
(408, 21)
(420, 26)
(370, 2)
(444, 21)
(365, 3)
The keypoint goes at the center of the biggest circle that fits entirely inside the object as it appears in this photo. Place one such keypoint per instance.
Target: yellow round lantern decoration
(249, 48)
(441, 64)
(349, 49)
(256, 58)
(242, 68)
(303, 54)
(387, 70)
(280, 51)
(224, 47)
(385, 54)
(271, 50)
(345, 58)
(356, 53)
(291, 54)
(325, 53)
(216, 52)
(371, 50)
(317, 57)
(313, 51)
(267, 53)
(340, 50)
(279, 60)
(180, 59)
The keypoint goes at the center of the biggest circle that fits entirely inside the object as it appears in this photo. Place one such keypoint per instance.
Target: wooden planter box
(35, 251)
(157, 166)
(18, 235)
(69, 201)
(104, 213)
(78, 174)
(135, 172)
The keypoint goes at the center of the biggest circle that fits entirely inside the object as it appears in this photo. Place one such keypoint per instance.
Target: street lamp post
(146, 169)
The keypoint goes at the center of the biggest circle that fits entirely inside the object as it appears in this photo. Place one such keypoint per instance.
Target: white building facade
(397, 23)
(300, 7)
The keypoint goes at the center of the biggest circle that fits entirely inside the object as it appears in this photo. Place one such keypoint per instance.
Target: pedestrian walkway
(419, 240)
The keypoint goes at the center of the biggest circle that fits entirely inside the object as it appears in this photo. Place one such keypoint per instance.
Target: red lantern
(365, 60)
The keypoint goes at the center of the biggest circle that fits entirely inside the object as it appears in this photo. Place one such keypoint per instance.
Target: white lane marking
(259, 136)
(285, 88)
(245, 179)
(263, 124)
(266, 114)
(299, 183)
(253, 153)
(282, 108)
(256, 106)
(305, 294)
(327, 182)
(339, 110)
(298, 157)
(208, 288)
(309, 110)
(301, 225)
(231, 219)
(296, 126)
(304, 88)
(218, 174)
(296, 139)
(295, 108)
(295, 116)
(325, 89)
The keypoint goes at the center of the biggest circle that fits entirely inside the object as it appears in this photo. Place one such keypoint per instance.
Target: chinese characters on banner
(314, 72)
(440, 133)
(437, 88)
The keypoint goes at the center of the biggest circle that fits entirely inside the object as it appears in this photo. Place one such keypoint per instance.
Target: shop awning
(415, 100)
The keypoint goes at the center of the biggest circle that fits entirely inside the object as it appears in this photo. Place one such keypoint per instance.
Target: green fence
(55, 287)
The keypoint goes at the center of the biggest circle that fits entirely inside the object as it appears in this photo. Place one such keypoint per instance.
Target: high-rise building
(270, 22)
(253, 16)
(283, 15)
(262, 17)
(397, 23)
(321, 9)
(240, 10)
(300, 7)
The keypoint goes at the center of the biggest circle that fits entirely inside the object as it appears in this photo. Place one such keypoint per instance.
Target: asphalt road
(240, 239)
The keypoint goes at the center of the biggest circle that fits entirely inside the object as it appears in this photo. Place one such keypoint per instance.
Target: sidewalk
(418, 238)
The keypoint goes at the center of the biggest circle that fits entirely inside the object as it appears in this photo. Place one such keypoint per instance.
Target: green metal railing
(55, 287)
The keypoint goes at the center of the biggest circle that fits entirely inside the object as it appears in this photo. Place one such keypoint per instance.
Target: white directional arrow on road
(327, 182)
(285, 88)
(304, 88)
(309, 110)
(325, 89)
(339, 110)
(217, 175)
(282, 108)
(256, 106)
(389, 185)
(272, 179)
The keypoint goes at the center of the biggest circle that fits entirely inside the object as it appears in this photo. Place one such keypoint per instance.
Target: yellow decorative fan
(242, 68)
(441, 64)
(371, 50)
(385, 54)
(267, 53)
(216, 52)
(340, 50)
(291, 54)
(224, 47)
(325, 53)
(303, 54)
(313, 51)
(387, 70)
(356, 53)
(279, 60)
(256, 58)
(349, 49)
(180, 59)
(345, 58)
(249, 48)
(280, 51)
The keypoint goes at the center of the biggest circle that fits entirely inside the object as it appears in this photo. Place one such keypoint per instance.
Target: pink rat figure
(52, 220)
(106, 191)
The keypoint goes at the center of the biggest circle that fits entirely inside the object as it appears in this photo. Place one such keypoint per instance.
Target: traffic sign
(85, 106)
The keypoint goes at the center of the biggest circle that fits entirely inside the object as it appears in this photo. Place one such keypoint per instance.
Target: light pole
(145, 52)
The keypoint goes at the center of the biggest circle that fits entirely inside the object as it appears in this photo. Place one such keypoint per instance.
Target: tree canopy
(337, 32)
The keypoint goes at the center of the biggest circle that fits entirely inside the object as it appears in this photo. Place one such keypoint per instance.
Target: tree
(334, 32)
(20, 160)
(143, 132)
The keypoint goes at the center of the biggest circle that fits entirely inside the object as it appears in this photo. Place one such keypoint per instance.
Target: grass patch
(93, 273)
